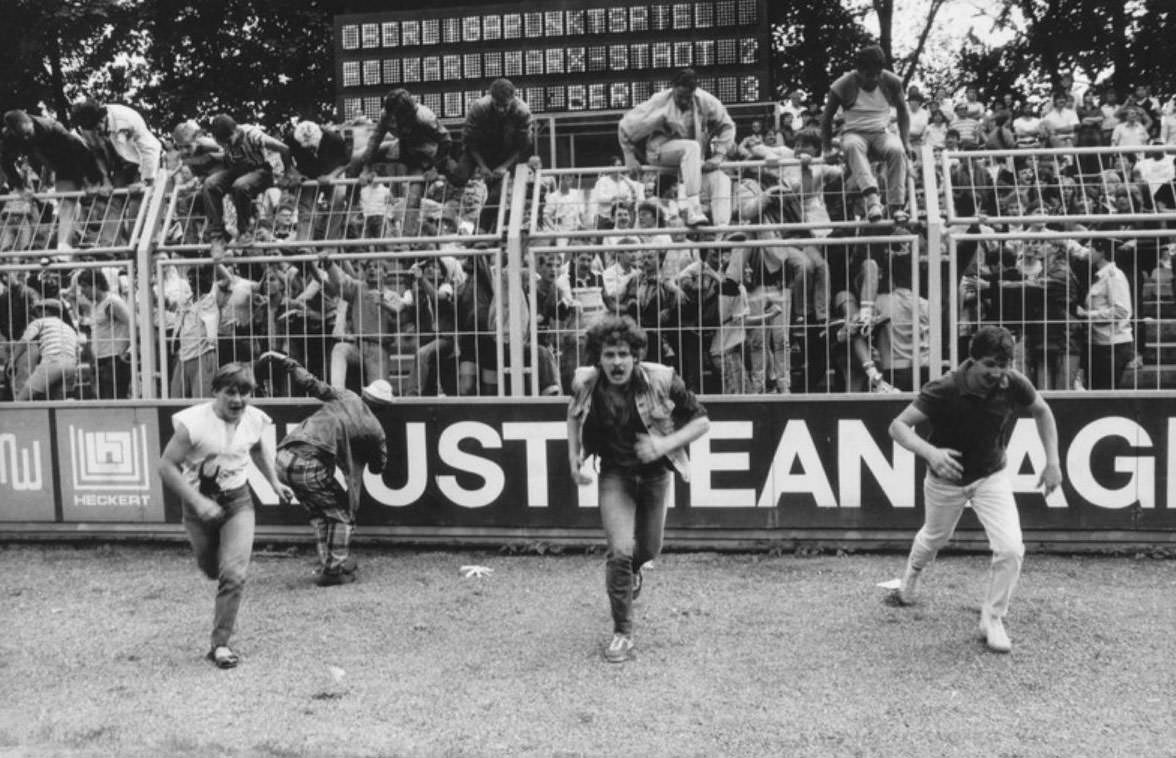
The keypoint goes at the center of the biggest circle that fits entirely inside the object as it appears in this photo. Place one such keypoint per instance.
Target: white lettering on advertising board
(20, 467)
(796, 467)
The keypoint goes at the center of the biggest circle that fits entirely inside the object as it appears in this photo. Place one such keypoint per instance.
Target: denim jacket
(651, 382)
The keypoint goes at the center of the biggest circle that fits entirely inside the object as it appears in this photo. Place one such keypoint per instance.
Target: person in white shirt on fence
(687, 128)
(129, 155)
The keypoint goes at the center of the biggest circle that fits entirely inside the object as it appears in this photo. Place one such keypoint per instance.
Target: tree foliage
(50, 50)
(258, 60)
(1118, 43)
(813, 43)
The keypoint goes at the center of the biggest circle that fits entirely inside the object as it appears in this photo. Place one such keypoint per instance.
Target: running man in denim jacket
(639, 421)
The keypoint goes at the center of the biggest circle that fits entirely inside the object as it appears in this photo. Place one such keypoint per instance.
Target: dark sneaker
(638, 580)
(345, 574)
(620, 649)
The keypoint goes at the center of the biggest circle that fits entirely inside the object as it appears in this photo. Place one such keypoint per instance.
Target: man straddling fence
(246, 174)
(687, 128)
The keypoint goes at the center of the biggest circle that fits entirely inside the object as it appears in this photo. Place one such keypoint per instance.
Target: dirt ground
(738, 655)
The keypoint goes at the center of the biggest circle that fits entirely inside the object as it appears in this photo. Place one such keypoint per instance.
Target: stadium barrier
(490, 469)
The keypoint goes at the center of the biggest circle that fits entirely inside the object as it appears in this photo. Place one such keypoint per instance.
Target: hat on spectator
(378, 392)
(49, 304)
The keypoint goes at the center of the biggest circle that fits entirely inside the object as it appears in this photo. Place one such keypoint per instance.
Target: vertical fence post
(145, 376)
(934, 260)
(514, 268)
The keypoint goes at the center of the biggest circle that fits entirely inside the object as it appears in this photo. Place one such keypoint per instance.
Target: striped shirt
(56, 340)
(247, 150)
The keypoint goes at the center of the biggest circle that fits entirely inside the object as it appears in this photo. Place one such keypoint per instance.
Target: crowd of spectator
(784, 259)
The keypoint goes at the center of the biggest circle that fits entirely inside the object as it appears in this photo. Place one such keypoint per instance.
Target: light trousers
(862, 147)
(686, 156)
(992, 499)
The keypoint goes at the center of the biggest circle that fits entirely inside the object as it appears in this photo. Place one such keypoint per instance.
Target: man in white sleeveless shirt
(205, 463)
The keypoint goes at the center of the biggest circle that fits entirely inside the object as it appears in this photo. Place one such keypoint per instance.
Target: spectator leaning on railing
(59, 157)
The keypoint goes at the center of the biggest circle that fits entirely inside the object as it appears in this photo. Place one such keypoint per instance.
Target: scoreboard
(566, 56)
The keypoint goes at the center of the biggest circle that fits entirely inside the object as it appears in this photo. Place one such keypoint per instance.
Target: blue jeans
(222, 552)
(633, 512)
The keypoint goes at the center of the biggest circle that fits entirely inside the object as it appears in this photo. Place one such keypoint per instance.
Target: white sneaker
(910, 582)
(874, 210)
(620, 649)
(993, 631)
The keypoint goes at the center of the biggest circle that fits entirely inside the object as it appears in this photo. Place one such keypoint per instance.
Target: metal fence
(68, 331)
(479, 291)
(1071, 249)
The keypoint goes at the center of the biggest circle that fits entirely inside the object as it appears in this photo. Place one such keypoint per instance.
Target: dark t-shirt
(611, 429)
(977, 425)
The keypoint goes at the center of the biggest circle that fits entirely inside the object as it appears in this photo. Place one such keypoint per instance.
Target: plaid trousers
(312, 477)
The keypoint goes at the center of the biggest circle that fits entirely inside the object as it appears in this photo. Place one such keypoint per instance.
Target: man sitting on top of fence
(687, 128)
(246, 174)
(865, 97)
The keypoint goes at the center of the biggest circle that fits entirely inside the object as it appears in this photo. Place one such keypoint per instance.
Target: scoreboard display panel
(573, 55)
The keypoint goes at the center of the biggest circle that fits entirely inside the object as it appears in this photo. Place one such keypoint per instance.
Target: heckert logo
(106, 462)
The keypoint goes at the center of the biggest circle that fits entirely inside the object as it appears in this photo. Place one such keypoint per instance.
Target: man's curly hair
(613, 330)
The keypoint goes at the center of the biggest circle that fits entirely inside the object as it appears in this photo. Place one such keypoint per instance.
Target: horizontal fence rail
(483, 291)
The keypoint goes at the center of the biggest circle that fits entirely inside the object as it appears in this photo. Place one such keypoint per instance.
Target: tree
(50, 50)
(1114, 42)
(257, 60)
(813, 43)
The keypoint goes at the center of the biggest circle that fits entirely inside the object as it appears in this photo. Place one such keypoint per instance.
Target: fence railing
(480, 291)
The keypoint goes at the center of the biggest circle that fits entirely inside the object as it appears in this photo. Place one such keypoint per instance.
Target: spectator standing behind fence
(205, 464)
(246, 174)
(1108, 309)
(1059, 124)
(50, 346)
(317, 155)
(971, 412)
(374, 306)
(197, 327)
(58, 156)
(344, 435)
(638, 418)
(128, 153)
(687, 128)
(865, 96)
(110, 335)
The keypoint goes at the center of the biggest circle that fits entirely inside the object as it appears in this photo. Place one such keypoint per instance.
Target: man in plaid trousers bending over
(343, 433)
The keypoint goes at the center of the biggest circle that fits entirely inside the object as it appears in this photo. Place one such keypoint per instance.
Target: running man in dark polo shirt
(972, 411)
